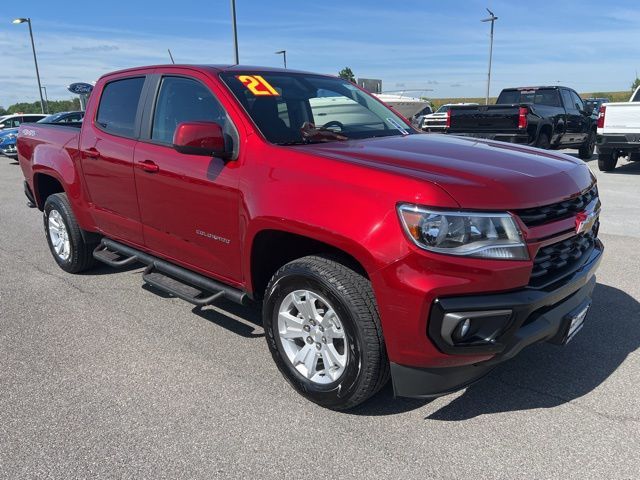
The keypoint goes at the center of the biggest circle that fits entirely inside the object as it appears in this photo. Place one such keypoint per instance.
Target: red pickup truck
(373, 250)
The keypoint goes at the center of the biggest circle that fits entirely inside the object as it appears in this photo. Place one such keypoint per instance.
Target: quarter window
(184, 100)
(119, 105)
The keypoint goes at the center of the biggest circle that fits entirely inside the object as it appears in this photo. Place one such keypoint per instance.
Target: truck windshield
(298, 108)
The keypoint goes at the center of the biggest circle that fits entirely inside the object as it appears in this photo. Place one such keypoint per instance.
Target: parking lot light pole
(235, 32)
(46, 98)
(491, 19)
(35, 59)
(284, 56)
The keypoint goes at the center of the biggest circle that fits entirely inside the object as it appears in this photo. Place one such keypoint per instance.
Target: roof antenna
(171, 56)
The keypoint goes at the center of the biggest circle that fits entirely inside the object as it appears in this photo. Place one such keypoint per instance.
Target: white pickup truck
(618, 132)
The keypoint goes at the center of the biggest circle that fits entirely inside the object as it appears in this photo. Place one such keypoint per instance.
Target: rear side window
(636, 97)
(119, 105)
(184, 100)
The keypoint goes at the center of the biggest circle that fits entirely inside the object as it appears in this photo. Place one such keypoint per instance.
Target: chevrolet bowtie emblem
(588, 217)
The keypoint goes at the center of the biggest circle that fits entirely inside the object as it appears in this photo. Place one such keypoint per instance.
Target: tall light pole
(35, 59)
(46, 98)
(235, 32)
(284, 56)
(491, 19)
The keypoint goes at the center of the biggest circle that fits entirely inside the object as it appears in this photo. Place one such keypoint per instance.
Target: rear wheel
(323, 330)
(543, 141)
(585, 152)
(64, 236)
(607, 161)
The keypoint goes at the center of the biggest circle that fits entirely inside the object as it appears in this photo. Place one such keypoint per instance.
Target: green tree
(347, 74)
(3, 111)
(55, 106)
(635, 84)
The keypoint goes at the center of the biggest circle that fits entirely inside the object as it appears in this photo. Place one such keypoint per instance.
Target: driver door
(189, 204)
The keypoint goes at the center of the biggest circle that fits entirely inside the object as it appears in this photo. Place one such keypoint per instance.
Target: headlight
(473, 234)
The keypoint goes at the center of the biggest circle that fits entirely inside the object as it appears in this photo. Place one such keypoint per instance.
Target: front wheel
(323, 330)
(585, 152)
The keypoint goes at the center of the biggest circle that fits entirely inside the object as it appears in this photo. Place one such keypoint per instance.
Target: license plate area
(574, 322)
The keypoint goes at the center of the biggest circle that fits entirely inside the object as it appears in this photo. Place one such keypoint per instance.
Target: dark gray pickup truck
(545, 117)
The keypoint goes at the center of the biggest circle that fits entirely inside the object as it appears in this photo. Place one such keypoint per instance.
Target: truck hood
(478, 174)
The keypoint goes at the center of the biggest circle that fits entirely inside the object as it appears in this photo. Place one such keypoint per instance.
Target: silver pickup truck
(618, 132)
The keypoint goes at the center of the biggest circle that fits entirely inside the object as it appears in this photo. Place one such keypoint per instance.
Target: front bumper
(626, 142)
(538, 316)
(9, 151)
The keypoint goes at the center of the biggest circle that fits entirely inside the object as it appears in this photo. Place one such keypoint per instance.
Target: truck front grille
(558, 260)
(557, 211)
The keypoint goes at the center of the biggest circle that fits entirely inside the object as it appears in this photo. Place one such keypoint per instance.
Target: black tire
(543, 141)
(351, 296)
(607, 161)
(80, 257)
(585, 152)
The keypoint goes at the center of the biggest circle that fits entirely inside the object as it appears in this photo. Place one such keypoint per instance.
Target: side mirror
(2, 126)
(588, 109)
(200, 138)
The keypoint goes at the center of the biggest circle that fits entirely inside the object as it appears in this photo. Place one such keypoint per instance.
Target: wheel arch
(271, 248)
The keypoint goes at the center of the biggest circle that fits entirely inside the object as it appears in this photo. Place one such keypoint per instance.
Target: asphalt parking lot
(100, 377)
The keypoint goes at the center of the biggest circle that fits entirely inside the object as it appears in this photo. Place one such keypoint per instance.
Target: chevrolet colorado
(374, 251)
(544, 117)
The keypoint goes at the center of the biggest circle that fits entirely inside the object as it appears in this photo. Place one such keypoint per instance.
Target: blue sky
(589, 45)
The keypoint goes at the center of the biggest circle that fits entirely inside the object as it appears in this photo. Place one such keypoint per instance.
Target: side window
(567, 100)
(184, 100)
(119, 105)
(577, 101)
(15, 122)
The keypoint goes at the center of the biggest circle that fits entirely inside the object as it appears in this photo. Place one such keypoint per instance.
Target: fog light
(463, 328)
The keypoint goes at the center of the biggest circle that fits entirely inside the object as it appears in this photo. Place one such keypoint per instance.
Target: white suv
(14, 121)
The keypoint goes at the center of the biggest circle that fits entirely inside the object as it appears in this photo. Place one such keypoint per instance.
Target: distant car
(8, 142)
(8, 136)
(595, 104)
(436, 122)
(14, 121)
(416, 120)
(63, 117)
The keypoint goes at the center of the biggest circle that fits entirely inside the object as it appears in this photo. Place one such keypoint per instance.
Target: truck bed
(44, 136)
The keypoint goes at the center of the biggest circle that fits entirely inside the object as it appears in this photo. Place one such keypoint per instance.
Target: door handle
(91, 152)
(149, 166)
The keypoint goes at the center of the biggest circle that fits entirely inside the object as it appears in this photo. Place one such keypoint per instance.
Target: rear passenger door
(190, 203)
(107, 144)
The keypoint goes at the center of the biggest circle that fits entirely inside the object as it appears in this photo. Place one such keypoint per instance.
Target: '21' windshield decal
(258, 85)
